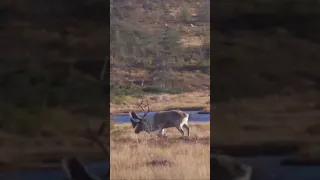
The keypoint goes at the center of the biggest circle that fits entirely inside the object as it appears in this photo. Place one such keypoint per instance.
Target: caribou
(159, 121)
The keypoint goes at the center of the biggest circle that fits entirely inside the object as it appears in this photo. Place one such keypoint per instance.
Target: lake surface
(96, 168)
(195, 117)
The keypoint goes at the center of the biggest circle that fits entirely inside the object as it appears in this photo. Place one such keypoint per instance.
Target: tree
(167, 51)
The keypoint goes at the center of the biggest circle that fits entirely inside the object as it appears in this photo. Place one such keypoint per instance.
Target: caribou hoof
(186, 137)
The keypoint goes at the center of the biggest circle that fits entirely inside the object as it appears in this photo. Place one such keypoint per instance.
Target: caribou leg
(161, 132)
(181, 130)
(187, 127)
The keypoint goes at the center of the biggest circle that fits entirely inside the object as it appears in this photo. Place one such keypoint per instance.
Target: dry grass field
(147, 156)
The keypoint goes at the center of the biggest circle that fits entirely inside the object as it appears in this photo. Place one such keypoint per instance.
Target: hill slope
(159, 47)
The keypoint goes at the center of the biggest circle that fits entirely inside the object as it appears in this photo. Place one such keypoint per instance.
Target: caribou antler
(143, 106)
(96, 137)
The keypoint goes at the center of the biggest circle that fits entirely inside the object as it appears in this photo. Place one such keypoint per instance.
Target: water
(269, 168)
(195, 117)
(96, 168)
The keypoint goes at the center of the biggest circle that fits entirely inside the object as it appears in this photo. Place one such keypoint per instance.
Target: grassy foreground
(147, 156)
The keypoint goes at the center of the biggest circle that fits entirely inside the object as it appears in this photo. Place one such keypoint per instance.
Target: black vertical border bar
(107, 87)
(211, 84)
(106, 82)
(213, 73)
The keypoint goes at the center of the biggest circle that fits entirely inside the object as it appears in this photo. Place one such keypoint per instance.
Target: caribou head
(138, 123)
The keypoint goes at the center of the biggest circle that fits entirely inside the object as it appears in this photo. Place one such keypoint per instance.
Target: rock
(159, 162)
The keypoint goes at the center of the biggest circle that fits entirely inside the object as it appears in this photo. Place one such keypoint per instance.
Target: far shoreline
(191, 122)
(189, 101)
(201, 110)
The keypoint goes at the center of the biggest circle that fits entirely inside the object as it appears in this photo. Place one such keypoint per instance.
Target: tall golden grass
(147, 156)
